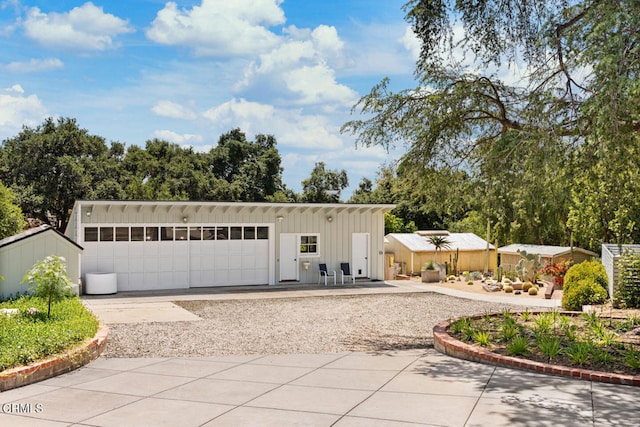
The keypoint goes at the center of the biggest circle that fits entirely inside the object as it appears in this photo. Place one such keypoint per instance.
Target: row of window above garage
(171, 233)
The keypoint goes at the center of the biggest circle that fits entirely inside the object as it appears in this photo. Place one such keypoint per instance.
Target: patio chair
(345, 270)
(324, 273)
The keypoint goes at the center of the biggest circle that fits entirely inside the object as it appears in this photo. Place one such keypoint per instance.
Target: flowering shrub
(558, 269)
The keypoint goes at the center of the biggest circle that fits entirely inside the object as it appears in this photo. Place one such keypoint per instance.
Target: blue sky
(189, 71)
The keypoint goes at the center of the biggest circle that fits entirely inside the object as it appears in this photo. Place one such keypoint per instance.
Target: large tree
(51, 166)
(571, 112)
(11, 218)
(324, 186)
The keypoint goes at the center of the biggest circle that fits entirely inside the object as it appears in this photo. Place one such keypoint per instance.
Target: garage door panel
(105, 265)
(150, 265)
(156, 264)
(221, 262)
(136, 265)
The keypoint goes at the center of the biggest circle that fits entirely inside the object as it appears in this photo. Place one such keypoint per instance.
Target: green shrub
(584, 292)
(627, 292)
(31, 336)
(592, 270)
(584, 283)
(518, 346)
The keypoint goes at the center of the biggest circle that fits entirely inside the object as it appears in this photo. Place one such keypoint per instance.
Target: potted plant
(430, 273)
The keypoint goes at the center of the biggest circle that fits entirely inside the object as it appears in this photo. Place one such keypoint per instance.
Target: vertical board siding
(17, 259)
(335, 237)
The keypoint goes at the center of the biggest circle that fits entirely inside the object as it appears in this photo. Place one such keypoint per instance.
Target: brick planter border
(55, 365)
(448, 345)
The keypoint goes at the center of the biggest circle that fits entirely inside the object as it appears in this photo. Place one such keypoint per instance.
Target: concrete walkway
(402, 388)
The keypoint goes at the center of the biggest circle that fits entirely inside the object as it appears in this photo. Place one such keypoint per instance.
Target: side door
(360, 254)
(289, 257)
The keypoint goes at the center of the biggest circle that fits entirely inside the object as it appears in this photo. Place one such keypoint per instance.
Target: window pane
(166, 233)
(137, 234)
(106, 234)
(122, 234)
(249, 233)
(91, 234)
(151, 234)
(309, 245)
(222, 233)
(209, 233)
(263, 233)
(195, 233)
(236, 233)
(181, 233)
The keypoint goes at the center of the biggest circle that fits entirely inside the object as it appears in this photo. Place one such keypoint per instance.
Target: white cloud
(412, 43)
(181, 139)
(317, 84)
(85, 28)
(173, 110)
(219, 27)
(292, 127)
(326, 42)
(33, 65)
(299, 70)
(18, 110)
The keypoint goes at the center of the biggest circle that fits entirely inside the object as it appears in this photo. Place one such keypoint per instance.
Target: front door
(360, 254)
(289, 257)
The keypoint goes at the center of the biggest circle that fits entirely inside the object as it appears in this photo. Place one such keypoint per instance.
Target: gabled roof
(461, 241)
(542, 250)
(34, 232)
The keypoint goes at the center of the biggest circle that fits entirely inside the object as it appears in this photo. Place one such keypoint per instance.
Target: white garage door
(170, 257)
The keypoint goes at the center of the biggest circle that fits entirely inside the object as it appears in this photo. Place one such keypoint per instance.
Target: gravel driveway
(296, 325)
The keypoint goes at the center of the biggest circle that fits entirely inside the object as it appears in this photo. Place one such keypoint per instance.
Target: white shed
(611, 254)
(183, 244)
(21, 252)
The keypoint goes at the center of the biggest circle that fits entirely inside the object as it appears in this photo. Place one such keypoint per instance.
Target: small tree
(440, 243)
(49, 281)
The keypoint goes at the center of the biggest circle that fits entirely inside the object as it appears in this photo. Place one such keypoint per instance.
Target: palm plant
(440, 243)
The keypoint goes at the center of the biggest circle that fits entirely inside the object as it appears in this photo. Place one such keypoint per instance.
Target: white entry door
(360, 254)
(289, 257)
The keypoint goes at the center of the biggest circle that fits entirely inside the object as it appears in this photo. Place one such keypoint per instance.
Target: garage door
(170, 257)
(230, 255)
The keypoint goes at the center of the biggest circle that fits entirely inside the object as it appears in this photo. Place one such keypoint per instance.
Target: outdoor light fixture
(279, 218)
(185, 219)
(89, 212)
(329, 218)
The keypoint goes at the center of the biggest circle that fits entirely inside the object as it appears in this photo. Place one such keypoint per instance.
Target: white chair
(345, 270)
(324, 273)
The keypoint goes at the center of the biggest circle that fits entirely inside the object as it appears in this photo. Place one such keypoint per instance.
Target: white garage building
(183, 244)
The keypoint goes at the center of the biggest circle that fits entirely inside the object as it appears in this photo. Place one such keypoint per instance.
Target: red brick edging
(56, 365)
(448, 345)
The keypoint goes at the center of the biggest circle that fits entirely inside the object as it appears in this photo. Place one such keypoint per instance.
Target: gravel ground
(296, 325)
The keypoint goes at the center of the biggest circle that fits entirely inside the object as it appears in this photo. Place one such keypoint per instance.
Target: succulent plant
(469, 282)
(527, 286)
(508, 289)
(533, 290)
